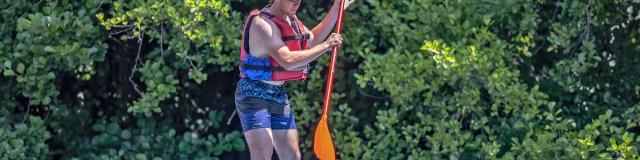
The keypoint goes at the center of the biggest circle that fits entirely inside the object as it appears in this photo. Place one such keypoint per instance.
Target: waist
(256, 88)
(250, 84)
(276, 83)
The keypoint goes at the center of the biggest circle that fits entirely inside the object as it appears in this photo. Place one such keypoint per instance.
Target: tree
(436, 79)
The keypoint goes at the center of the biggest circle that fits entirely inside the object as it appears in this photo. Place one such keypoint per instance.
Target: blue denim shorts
(262, 105)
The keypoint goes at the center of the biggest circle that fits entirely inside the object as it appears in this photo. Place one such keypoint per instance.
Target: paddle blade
(322, 143)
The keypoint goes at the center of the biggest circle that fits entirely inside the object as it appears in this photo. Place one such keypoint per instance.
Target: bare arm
(267, 32)
(322, 30)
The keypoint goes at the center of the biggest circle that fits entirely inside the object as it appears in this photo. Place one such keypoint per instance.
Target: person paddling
(276, 47)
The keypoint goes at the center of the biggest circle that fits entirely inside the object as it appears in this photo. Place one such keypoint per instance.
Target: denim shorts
(262, 105)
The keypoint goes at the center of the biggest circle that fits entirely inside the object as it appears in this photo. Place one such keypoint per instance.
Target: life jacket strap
(263, 68)
(305, 36)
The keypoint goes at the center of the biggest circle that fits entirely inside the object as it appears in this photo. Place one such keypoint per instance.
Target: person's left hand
(347, 3)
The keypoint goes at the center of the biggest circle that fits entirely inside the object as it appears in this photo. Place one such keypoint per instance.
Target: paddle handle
(332, 65)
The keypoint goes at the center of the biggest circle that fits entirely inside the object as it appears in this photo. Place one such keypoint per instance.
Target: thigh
(281, 116)
(253, 113)
(285, 136)
(255, 118)
(260, 141)
(286, 143)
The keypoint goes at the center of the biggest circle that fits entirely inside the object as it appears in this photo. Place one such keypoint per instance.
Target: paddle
(322, 143)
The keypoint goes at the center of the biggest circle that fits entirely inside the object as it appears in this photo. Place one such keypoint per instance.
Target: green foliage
(478, 88)
(159, 87)
(148, 139)
(31, 57)
(24, 141)
(55, 47)
(190, 34)
(416, 79)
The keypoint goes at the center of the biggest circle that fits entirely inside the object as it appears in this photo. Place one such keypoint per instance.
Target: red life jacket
(268, 68)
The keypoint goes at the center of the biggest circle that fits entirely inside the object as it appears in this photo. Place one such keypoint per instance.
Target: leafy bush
(416, 79)
(24, 141)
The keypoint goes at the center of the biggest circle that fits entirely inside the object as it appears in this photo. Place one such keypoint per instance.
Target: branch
(161, 40)
(137, 60)
(190, 58)
(555, 14)
(191, 62)
(230, 118)
(121, 26)
(98, 6)
(118, 32)
(46, 118)
(374, 97)
(587, 30)
(28, 109)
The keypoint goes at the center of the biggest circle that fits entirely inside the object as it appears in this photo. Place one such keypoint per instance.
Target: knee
(294, 155)
(261, 154)
(297, 155)
(260, 148)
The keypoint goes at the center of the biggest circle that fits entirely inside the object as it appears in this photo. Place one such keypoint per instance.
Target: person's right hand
(333, 41)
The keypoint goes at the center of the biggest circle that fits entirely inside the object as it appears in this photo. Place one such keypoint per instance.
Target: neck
(276, 11)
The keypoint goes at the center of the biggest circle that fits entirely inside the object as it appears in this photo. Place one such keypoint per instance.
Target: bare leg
(260, 141)
(286, 144)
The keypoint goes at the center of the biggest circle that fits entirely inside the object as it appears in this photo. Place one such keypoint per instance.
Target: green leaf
(49, 49)
(114, 128)
(51, 75)
(238, 144)
(8, 73)
(140, 156)
(82, 12)
(20, 68)
(98, 127)
(126, 134)
(46, 100)
(172, 133)
(7, 64)
(86, 77)
(92, 50)
(140, 123)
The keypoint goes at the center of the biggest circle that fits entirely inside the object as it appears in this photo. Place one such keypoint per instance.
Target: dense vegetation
(434, 79)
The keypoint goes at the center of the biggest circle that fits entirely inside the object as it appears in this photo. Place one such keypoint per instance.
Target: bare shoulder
(264, 28)
(265, 37)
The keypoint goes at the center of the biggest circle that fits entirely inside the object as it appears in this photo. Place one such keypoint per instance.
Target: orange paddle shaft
(332, 65)
(322, 142)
